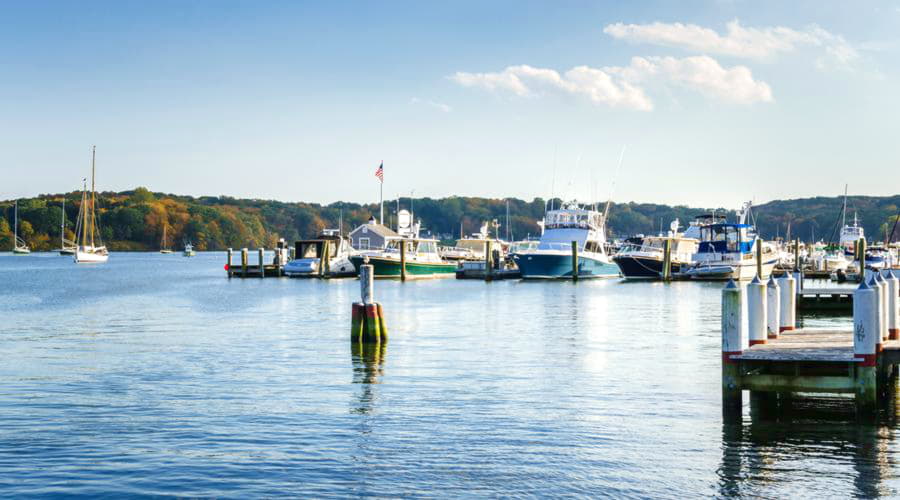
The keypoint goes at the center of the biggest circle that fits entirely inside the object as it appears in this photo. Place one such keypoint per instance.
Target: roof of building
(379, 229)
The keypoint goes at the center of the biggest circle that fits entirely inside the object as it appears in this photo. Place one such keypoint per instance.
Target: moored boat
(336, 249)
(646, 258)
(421, 255)
(90, 249)
(728, 251)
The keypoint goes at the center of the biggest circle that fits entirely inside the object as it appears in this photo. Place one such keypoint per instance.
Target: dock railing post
(244, 258)
(228, 268)
(773, 308)
(402, 260)
(667, 260)
(262, 265)
(759, 266)
(893, 305)
(574, 261)
(733, 321)
(788, 314)
(756, 311)
(865, 337)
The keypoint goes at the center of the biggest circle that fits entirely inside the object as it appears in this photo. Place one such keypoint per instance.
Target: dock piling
(773, 308)
(228, 266)
(756, 311)
(262, 264)
(667, 260)
(574, 261)
(733, 321)
(866, 338)
(893, 304)
(488, 264)
(788, 314)
(367, 324)
(861, 245)
(402, 260)
(244, 259)
(759, 266)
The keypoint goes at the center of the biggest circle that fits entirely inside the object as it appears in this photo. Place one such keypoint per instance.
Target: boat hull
(386, 267)
(633, 267)
(21, 251)
(90, 257)
(733, 271)
(534, 265)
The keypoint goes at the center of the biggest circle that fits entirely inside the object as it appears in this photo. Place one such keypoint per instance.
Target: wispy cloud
(739, 41)
(623, 86)
(436, 105)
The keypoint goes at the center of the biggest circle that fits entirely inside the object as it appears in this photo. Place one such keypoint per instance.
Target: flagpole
(381, 196)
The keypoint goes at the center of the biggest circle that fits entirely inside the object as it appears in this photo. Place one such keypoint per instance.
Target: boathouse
(372, 235)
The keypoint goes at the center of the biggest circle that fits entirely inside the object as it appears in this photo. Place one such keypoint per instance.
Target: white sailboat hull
(91, 256)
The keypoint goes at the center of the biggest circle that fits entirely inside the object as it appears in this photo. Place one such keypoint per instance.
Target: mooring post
(733, 321)
(884, 304)
(367, 323)
(773, 308)
(756, 311)
(788, 317)
(402, 260)
(327, 261)
(861, 245)
(667, 260)
(228, 266)
(323, 260)
(759, 266)
(279, 255)
(893, 305)
(865, 337)
(574, 261)
(244, 260)
(262, 264)
(797, 254)
(488, 264)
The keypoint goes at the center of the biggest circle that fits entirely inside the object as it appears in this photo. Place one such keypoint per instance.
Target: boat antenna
(612, 186)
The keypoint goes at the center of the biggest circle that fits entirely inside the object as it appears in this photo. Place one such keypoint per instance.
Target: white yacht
(728, 251)
(308, 256)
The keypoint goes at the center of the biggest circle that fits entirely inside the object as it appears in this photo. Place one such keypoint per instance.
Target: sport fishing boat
(728, 251)
(552, 258)
(422, 259)
(645, 259)
(19, 246)
(90, 249)
(309, 253)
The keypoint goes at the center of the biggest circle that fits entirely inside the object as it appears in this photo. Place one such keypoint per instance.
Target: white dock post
(885, 304)
(798, 281)
(788, 292)
(773, 308)
(893, 304)
(865, 338)
(733, 324)
(879, 314)
(756, 311)
(367, 290)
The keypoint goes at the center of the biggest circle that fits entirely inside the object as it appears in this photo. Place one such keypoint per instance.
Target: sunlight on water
(154, 374)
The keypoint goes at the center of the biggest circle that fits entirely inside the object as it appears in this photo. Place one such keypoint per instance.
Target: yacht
(552, 258)
(90, 249)
(728, 251)
(309, 253)
(645, 259)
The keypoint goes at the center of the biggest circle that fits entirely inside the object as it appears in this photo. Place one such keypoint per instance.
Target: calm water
(155, 375)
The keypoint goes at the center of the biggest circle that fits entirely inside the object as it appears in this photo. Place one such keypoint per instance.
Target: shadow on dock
(763, 446)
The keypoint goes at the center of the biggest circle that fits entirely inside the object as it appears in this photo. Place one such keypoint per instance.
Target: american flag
(380, 172)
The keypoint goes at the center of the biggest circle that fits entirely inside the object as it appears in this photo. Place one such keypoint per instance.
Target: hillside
(134, 220)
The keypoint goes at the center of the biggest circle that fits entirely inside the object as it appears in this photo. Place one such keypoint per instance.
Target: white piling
(788, 291)
(773, 308)
(893, 305)
(366, 285)
(798, 282)
(756, 311)
(866, 337)
(885, 305)
(733, 320)
(879, 314)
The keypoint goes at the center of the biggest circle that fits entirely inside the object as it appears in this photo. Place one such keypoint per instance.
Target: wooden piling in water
(244, 259)
(228, 266)
(367, 324)
(759, 266)
(861, 245)
(574, 261)
(488, 261)
(402, 260)
(733, 320)
(667, 260)
(262, 264)
(797, 254)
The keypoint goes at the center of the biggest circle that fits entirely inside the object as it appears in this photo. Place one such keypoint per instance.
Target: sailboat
(163, 245)
(19, 246)
(90, 249)
(66, 247)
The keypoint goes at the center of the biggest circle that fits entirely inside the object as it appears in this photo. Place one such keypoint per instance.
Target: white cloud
(436, 105)
(623, 87)
(738, 41)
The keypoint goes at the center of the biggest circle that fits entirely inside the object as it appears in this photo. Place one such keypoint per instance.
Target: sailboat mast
(93, 185)
(844, 210)
(62, 225)
(16, 225)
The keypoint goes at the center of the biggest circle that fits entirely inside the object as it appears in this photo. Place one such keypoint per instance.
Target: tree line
(134, 220)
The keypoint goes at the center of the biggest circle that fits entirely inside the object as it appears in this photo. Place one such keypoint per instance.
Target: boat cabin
(727, 238)
(414, 246)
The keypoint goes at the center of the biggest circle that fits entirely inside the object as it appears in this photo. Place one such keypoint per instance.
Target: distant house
(372, 236)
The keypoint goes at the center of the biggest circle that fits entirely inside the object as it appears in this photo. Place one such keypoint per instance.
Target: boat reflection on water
(781, 442)
(368, 360)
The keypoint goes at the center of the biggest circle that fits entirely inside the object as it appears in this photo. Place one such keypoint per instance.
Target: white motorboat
(728, 251)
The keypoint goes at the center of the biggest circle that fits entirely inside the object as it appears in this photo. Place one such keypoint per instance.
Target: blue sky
(717, 102)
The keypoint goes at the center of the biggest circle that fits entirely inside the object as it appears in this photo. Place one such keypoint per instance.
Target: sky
(706, 103)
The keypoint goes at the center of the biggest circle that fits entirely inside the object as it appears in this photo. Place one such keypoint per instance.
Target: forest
(134, 220)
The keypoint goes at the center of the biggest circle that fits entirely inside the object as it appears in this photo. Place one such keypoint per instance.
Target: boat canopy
(552, 240)
(723, 238)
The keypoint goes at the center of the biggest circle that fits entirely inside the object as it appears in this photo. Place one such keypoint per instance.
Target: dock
(260, 269)
(825, 299)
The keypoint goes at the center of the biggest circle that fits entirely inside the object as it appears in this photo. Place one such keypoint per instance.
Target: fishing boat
(66, 247)
(164, 242)
(645, 259)
(188, 250)
(728, 251)
(19, 246)
(90, 248)
(309, 253)
(552, 258)
(422, 259)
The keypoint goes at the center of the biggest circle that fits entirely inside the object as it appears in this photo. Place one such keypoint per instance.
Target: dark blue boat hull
(557, 266)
